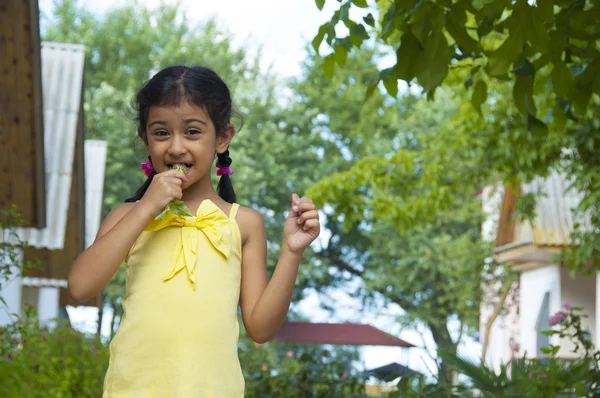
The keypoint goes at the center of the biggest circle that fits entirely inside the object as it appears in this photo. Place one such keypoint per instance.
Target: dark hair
(199, 86)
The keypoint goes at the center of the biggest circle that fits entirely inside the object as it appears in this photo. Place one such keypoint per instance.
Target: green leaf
(500, 60)
(340, 55)
(345, 12)
(436, 56)
(525, 69)
(523, 94)
(316, 43)
(358, 34)
(546, 8)
(536, 126)
(391, 85)
(320, 4)
(479, 96)
(409, 57)
(328, 65)
(360, 3)
(485, 27)
(370, 91)
(562, 79)
(175, 207)
(536, 33)
(369, 20)
(455, 24)
(581, 98)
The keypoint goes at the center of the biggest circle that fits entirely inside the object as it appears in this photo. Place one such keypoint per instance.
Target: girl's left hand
(302, 225)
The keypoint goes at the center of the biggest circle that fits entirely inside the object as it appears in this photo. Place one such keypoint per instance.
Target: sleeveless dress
(179, 330)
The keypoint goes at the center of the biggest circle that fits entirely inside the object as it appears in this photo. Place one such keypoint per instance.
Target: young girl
(186, 275)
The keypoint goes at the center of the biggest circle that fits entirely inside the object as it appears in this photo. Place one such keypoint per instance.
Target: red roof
(337, 334)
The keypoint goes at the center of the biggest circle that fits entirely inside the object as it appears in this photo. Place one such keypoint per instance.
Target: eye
(160, 133)
(193, 132)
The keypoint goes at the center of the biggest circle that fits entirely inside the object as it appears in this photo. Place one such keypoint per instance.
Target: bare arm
(95, 267)
(266, 304)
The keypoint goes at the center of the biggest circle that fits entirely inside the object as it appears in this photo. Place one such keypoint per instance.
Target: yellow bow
(211, 221)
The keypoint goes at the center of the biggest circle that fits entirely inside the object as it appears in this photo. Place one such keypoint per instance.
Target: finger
(312, 225)
(308, 215)
(294, 208)
(175, 173)
(306, 206)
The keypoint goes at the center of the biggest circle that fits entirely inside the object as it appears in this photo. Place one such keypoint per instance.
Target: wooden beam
(22, 169)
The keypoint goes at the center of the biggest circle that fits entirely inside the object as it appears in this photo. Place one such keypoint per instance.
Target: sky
(283, 28)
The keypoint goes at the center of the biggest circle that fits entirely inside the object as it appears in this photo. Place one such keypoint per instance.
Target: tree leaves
(360, 3)
(479, 95)
(320, 4)
(436, 55)
(328, 65)
(456, 25)
(531, 34)
(562, 79)
(500, 60)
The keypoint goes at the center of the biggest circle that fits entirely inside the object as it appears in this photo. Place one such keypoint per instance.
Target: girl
(186, 274)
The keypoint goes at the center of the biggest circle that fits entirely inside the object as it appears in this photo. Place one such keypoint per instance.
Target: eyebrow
(164, 122)
(196, 120)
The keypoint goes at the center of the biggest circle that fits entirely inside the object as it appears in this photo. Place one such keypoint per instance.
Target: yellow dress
(179, 331)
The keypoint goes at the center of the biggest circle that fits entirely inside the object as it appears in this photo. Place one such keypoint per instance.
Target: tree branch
(488, 326)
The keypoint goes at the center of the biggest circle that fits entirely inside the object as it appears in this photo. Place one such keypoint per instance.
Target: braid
(225, 187)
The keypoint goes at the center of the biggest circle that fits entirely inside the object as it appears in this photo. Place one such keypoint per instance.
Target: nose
(177, 146)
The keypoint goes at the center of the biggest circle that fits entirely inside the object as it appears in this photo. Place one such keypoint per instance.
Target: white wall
(505, 328)
(580, 292)
(534, 285)
(11, 293)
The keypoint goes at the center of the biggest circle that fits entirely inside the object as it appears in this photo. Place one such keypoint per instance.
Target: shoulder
(249, 220)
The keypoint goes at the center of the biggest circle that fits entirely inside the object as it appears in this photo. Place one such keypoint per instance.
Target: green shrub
(60, 362)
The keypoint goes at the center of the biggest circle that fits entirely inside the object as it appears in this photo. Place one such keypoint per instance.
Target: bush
(38, 361)
(312, 372)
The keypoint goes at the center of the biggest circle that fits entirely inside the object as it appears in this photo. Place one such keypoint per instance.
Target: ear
(224, 138)
(142, 134)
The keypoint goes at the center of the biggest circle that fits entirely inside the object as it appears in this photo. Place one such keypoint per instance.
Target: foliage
(316, 372)
(39, 361)
(526, 76)
(12, 262)
(539, 377)
(495, 39)
(42, 361)
(379, 198)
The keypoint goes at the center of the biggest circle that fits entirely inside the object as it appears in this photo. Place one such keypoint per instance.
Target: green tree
(527, 74)
(495, 39)
(431, 266)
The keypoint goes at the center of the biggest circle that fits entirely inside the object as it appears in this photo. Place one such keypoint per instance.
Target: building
(53, 176)
(544, 284)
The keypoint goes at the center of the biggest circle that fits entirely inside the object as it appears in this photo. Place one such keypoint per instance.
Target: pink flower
(515, 347)
(8, 356)
(344, 375)
(567, 306)
(148, 167)
(557, 318)
(289, 354)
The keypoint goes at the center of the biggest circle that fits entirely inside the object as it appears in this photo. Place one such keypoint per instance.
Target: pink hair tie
(221, 170)
(148, 167)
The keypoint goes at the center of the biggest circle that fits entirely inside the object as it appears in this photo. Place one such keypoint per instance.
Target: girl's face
(184, 135)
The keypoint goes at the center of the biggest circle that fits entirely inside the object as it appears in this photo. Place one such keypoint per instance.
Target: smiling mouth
(183, 167)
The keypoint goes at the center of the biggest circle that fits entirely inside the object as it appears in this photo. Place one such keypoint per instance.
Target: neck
(199, 191)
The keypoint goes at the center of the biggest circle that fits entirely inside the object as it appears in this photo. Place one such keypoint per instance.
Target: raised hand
(164, 188)
(302, 225)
